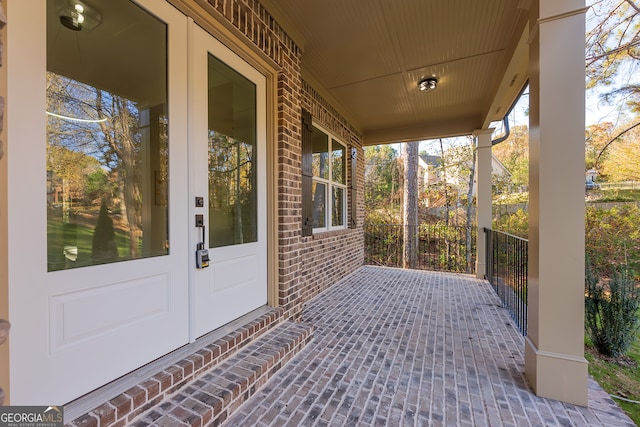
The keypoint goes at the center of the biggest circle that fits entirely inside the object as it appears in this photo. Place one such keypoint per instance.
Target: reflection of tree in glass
(232, 187)
(122, 135)
(95, 149)
(321, 169)
(103, 248)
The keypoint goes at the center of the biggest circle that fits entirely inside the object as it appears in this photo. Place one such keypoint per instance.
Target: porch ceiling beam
(425, 130)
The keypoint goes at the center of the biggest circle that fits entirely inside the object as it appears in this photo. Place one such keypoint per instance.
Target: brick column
(554, 348)
(483, 196)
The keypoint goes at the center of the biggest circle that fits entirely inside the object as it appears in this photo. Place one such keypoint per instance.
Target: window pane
(107, 143)
(337, 162)
(319, 204)
(320, 154)
(337, 214)
(233, 196)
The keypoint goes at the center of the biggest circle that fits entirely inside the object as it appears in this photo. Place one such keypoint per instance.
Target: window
(329, 186)
(233, 190)
(107, 140)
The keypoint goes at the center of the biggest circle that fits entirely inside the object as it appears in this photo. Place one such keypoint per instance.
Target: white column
(483, 196)
(554, 348)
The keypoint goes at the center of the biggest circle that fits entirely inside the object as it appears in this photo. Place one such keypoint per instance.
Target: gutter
(505, 119)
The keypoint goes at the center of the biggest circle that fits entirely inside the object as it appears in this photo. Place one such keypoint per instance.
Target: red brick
(122, 403)
(176, 374)
(87, 420)
(152, 388)
(187, 367)
(164, 380)
(106, 414)
(138, 396)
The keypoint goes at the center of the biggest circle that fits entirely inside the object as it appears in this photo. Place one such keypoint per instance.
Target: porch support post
(554, 348)
(483, 196)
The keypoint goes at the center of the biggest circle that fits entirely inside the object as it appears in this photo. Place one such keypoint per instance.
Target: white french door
(228, 183)
(122, 113)
(98, 256)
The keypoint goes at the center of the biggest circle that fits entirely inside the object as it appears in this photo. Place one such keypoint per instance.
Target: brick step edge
(123, 408)
(212, 398)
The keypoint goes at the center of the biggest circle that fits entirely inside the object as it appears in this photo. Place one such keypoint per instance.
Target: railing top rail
(421, 225)
(485, 229)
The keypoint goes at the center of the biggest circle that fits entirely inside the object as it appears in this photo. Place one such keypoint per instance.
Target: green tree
(382, 177)
(514, 155)
(622, 162)
(596, 138)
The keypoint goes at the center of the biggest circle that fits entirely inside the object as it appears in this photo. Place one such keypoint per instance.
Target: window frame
(330, 184)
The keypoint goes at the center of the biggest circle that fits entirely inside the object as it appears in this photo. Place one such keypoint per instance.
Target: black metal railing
(507, 272)
(440, 247)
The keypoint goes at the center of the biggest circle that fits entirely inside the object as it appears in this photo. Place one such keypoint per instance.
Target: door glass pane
(319, 191)
(320, 154)
(337, 161)
(107, 143)
(233, 196)
(337, 214)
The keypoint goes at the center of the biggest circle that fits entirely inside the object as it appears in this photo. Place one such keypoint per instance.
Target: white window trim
(329, 184)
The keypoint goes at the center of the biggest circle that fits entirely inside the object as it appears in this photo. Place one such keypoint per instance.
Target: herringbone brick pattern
(412, 348)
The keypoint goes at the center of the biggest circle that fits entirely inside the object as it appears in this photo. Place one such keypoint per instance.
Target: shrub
(612, 238)
(611, 309)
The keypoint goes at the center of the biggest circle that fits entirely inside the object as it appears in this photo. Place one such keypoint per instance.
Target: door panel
(228, 134)
(93, 293)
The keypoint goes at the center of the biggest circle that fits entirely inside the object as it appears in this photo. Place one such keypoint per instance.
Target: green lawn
(616, 195)
(619, 377)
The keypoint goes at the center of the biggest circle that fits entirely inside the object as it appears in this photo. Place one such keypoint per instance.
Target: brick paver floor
(411, 348)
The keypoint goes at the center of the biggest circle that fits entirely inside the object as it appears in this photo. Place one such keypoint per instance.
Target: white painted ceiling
(367, 57)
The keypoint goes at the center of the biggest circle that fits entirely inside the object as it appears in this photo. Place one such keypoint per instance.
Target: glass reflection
(232, 157)
(319, 192)
(107, 143)
(337, 162)
(337, 216)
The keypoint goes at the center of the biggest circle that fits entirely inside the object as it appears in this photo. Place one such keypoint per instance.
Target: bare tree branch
(612, 140)
(634, 5)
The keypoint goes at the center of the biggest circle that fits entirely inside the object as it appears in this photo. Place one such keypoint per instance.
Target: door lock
(202, 254)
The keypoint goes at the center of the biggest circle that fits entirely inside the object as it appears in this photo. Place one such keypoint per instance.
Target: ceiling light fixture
(77, 16)
(428, 84)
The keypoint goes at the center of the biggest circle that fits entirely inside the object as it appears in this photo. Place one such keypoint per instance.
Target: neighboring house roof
(429, 160)
(497, 167)
(430, 166)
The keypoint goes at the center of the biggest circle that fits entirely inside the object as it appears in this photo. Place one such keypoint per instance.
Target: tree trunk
(472, 174)
(444, 182)
(118, 135)
(410, 205)
(131, 183)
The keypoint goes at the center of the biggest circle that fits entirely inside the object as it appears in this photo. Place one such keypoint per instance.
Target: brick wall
(306, 266)
(327, 257)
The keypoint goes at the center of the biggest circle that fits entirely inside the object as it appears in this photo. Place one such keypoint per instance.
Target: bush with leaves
(612, 238)
(611, 307)
(516, 223)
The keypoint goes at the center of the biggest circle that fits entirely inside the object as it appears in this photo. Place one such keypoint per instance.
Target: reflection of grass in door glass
(63, 238)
